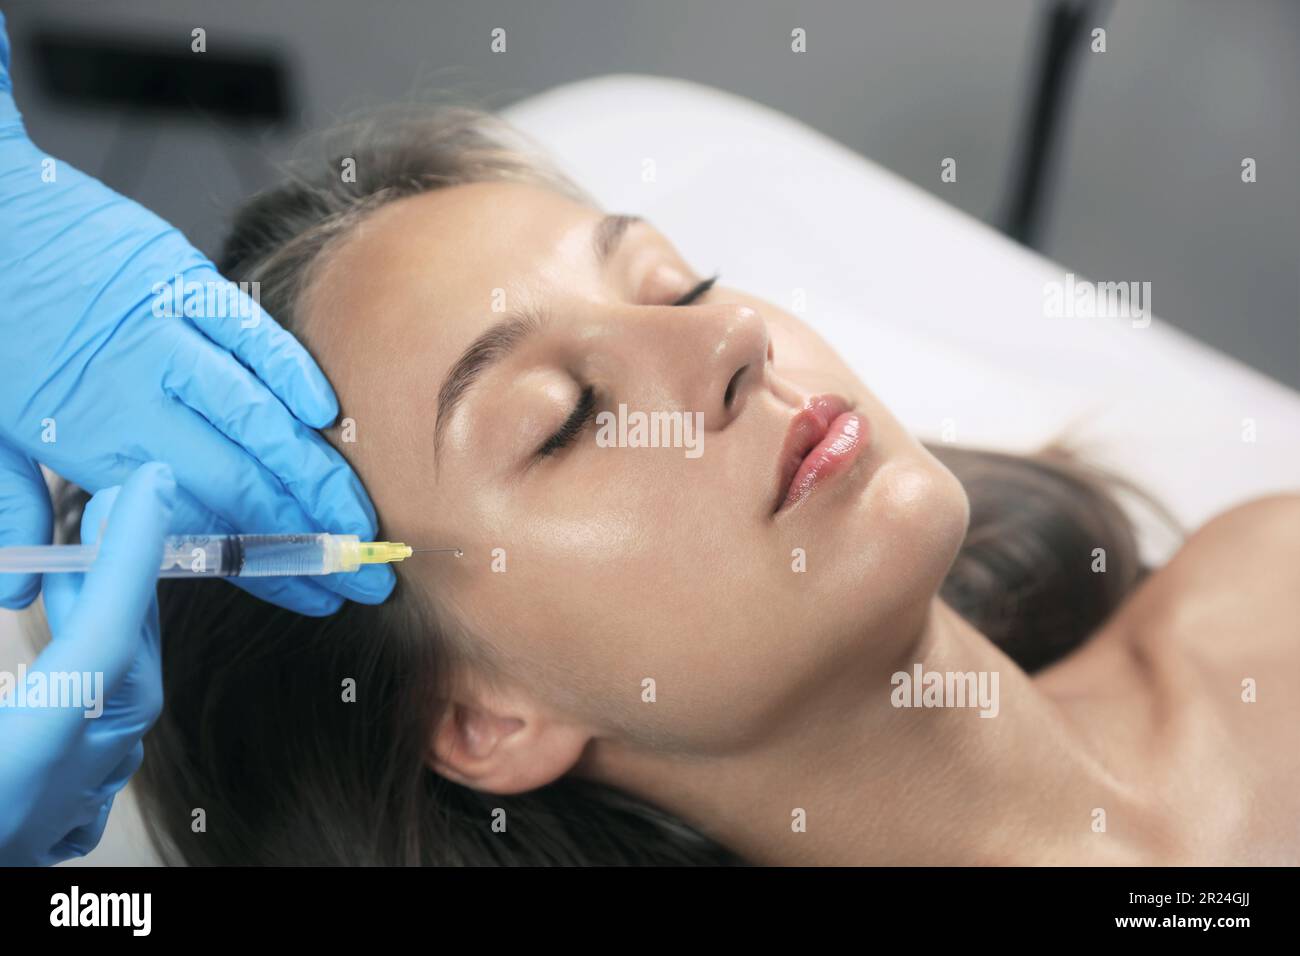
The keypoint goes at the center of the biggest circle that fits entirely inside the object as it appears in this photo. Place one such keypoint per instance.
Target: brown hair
(253, 731)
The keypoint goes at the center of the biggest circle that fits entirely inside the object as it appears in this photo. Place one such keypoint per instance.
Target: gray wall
(1148, 189)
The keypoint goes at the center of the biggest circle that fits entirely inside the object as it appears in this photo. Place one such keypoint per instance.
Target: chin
(920, 511)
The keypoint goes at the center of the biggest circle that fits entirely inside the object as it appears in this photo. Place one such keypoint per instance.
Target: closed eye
(697, 292)
(585, 410)
(578, 419)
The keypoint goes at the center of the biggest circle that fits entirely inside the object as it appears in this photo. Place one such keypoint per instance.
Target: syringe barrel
(252, 555)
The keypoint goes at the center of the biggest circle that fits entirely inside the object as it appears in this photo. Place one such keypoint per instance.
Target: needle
(458, 552)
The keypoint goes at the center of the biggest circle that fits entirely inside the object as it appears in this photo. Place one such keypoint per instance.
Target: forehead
(464, 240)
(436, 267)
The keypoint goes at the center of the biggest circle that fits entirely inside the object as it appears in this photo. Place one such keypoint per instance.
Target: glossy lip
(823, 439)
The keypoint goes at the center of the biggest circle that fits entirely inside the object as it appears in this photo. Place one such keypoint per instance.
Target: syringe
(226, 555)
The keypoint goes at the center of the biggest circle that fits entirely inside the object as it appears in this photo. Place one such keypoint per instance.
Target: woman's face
(468, 331)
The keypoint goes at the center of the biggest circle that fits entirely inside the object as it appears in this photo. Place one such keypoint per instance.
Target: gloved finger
(303, 594)
(100, 742)
(103, 631)
(230, 482)
(94, 517)
(273, 355)
(4, 54)
(126, 714)
(10, 118)
(60, 594)
(84, 838)
(237, 404)
(147, 663)
(62, 591)
(25, 518)
(121, 774)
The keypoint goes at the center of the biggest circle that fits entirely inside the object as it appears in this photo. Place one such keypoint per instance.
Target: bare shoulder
(1235, 583)
(1269, 522)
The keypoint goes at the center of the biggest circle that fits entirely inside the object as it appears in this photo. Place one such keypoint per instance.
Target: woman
(649, 657)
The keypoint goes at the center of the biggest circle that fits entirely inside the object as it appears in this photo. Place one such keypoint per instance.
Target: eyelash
(585, 410)
(690, 298)
(582, 413)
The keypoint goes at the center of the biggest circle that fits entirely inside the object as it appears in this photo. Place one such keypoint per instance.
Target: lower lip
(844, 440)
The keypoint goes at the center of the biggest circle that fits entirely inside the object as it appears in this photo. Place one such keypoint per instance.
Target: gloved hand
(93, 382)
(59, 768)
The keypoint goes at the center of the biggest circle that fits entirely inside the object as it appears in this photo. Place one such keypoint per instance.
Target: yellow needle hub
(381, 552)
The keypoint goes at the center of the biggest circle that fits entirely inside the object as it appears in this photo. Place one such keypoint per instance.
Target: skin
(772, 687)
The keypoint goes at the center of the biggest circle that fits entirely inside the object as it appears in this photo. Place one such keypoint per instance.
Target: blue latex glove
(93, 382)
(59, 768)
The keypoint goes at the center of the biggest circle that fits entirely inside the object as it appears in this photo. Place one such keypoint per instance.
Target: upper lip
(807, 428)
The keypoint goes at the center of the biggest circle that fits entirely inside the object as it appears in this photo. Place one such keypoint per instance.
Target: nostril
(730, 395)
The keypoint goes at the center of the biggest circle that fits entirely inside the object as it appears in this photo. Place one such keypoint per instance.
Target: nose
(714, 356)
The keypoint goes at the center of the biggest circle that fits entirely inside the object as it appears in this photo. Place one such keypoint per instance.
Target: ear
(500, 743)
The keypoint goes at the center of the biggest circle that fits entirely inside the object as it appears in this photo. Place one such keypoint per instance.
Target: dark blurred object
(238, 85)
(1067, 27)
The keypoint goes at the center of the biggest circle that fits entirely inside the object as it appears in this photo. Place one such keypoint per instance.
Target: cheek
(559, 589)
(590, 609)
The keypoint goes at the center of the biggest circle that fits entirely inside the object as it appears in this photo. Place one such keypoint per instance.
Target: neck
(883, 784)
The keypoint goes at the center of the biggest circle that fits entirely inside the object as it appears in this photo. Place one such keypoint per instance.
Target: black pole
(1065, 26)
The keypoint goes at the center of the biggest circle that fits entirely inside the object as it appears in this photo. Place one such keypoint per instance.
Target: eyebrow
(486, 350)
(507, 335)
(608, 234)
